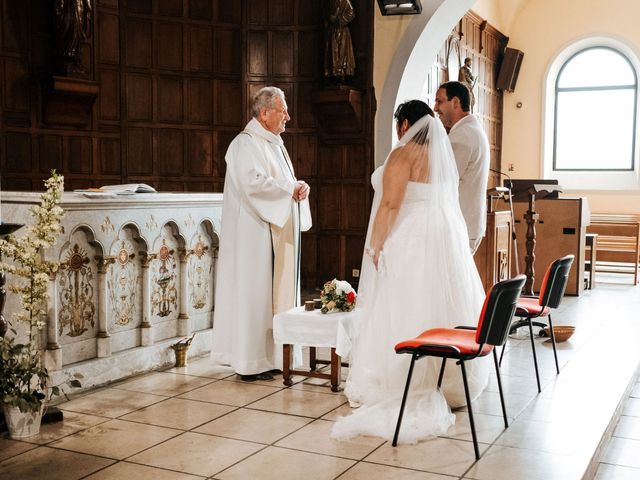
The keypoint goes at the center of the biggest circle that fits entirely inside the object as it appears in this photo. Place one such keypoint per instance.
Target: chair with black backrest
(466, 343)
(552, 290)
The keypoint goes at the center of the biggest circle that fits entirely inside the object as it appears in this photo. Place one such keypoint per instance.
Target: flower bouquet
(337, 296)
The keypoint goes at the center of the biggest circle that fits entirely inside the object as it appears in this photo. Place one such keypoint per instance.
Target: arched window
(595, 112)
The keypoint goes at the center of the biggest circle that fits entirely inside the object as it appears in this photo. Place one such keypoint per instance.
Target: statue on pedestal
(73, 19)
(339, 59)
(465, 75)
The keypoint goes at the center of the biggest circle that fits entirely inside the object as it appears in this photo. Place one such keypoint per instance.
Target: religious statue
(465, 75)
(73, 19)
(339, 60)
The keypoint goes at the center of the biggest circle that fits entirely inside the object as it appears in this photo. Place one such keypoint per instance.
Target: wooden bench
(618, 249)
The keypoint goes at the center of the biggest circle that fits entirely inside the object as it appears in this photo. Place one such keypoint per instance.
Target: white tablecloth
(315, 329)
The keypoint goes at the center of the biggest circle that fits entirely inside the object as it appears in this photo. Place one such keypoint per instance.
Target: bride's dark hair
(412, 111)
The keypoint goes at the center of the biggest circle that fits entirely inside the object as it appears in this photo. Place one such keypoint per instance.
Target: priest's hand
(301, 191)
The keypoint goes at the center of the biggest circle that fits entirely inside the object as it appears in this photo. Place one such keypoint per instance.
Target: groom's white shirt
(471, 150)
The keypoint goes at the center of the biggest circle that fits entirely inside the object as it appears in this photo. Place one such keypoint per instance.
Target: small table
(315, 329)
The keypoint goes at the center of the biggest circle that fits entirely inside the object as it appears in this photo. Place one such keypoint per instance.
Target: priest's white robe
(259, 259)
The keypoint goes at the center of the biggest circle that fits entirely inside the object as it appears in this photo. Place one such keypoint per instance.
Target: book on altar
(124, 189)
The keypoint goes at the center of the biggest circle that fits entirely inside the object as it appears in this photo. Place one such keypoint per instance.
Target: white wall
(542, 29)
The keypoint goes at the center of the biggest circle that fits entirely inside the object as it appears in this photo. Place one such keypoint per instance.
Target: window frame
(558, 90)
(585, 180)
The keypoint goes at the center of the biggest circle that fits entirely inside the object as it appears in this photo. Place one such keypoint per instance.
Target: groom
(471, 150)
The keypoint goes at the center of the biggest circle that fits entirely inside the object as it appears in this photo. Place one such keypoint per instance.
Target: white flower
(342, 286)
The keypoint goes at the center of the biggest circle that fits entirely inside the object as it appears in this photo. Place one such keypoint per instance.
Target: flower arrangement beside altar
(337, 296)
(24, 380)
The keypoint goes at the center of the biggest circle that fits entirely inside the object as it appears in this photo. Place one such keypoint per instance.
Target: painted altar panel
(137, 274)
(77, 299)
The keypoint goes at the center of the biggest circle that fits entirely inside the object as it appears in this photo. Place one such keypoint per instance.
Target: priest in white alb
(258, 273)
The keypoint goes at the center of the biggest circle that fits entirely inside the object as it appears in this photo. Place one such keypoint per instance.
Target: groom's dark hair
(412, 111)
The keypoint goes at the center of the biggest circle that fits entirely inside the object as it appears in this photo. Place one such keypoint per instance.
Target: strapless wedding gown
(426, 278)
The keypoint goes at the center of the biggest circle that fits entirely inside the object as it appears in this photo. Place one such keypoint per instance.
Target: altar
(136, 275)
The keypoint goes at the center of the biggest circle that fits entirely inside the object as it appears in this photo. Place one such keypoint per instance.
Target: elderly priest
(264, 210)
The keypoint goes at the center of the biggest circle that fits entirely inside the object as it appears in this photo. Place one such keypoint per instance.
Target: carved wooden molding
(339, 110)
(68, 101)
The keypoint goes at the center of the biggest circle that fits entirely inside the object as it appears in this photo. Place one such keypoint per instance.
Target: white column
(183, 317)
(53, 352)
(146, 331)
(103, 337)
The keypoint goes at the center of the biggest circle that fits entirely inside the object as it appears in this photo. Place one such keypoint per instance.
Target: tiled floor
(202, 422)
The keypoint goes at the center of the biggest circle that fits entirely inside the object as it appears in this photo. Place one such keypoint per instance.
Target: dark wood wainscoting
(173, 79)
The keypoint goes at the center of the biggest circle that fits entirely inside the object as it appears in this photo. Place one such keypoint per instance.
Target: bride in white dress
(417, 273)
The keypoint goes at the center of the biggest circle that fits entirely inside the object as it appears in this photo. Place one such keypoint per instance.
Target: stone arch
(422, 40)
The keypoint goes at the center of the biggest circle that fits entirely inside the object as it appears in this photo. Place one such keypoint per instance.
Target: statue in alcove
(73, 19)
(466, 76)
(339, 61)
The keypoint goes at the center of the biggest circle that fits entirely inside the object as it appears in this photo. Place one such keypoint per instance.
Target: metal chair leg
(502, 352)
(404, 399)
(441, 376)
(504, 407)
(535, 358)
(470, 410)
(553, 342)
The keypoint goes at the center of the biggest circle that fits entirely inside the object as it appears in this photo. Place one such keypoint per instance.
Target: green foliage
(23, 377)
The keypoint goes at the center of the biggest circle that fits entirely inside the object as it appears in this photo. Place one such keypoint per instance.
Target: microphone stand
(513, 221)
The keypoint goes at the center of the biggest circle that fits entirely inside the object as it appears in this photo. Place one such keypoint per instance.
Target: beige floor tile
(615, 472)
(525, 385)
(73, 422)
(505, 463)
(342, 411)
(628, 427)
(254, 426)
(167, 384)
(122, 470)
(111, 402)
(179, 413)
(10, 448)
(203, 368)
(300, 402)
(437, 455)
(552, 437)
(230, 393)
(622, 451)
(488, 403)
(281, 464)
(370, 471)
(316, 438)
(44, 463)
(197, 454)
(632, 407)
(567, 411)
(488, 427)
(116, 439)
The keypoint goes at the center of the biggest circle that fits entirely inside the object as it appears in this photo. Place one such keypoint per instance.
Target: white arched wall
(407, 70)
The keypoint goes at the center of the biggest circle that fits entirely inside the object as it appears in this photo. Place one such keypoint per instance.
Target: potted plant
(24, 380)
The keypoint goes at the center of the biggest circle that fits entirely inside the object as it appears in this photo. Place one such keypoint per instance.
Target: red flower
(351, 297)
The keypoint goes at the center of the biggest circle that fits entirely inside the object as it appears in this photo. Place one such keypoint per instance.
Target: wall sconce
(398, 7)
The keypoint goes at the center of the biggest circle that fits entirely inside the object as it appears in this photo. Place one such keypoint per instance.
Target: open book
(112, 190)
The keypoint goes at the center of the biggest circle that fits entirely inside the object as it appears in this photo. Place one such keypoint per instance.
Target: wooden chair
(618, 246)
(466, 343)
(552, 290)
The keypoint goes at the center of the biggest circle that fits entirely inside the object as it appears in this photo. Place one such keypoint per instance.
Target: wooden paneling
(175, 79)
(474, 38)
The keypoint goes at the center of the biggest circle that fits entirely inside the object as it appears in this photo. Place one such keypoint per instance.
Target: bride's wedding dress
(426, 278)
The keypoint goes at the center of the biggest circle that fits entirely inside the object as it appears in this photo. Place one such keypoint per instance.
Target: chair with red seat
(552, 290)
(466, 343)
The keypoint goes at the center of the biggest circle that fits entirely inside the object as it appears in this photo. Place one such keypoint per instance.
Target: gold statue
(339, 59)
